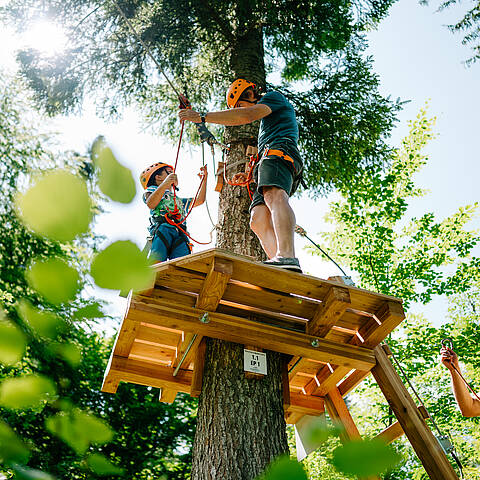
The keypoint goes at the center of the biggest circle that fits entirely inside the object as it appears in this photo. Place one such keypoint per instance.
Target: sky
(416, 58)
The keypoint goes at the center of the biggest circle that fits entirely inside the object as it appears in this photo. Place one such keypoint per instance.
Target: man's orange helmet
(149, 171)
(236, 89)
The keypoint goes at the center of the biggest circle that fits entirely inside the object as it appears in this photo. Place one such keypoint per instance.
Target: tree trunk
(240, 421)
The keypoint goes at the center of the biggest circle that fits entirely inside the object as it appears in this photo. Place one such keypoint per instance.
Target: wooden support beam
(198, 365)
(325, 380)
(209, 297)
(349, 383)
(110, 383)
(166, 395)
(306, 404)
(142, 373)
(338, 411)
(395, 430)
(329, 311)
(421, 438)
(239, 330)
(390, 315)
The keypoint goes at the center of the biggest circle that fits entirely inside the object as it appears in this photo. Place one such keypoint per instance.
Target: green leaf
(364, 458)
(114, 180)
(69, 352)
(101, 466)
(57, 206)
(23, 473)
(122, 266)
(28, 391)
(89, 311)
(54, 279)
(284, 468)
(79, 429)
(45, 323)
(12, 449)
(12, 343)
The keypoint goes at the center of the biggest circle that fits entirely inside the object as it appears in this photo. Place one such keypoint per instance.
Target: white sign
(255, 362)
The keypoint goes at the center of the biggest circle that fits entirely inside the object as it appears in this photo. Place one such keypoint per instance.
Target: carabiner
(447, 343)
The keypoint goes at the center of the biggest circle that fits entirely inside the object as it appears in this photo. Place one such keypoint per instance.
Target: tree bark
(240, 422)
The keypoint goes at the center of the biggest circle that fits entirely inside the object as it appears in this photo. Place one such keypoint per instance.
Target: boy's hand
(449, 358)
(171, 179)
(203, 172)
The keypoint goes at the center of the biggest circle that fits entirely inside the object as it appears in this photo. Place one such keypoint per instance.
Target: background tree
(75, 357)
(469, 25)
(203, 46)
(414, 259)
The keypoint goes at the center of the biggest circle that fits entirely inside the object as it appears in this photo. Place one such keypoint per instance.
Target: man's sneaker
(287, 263)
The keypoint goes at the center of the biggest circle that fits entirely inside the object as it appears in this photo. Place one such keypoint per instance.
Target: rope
(149, 53)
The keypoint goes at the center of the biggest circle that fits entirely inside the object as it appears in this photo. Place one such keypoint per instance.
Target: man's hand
(189, 115)
(203, 172)
(449, 358)
(171, 179)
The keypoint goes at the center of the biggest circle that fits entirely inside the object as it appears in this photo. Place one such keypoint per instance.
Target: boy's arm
(202, 194)
(231, 118)
(152, 199)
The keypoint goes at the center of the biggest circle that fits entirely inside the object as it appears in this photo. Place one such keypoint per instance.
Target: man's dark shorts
(272, 171)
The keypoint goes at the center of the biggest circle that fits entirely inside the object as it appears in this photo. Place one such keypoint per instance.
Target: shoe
(287, 263)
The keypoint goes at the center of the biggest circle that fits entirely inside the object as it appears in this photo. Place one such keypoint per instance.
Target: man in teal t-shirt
(278, 172)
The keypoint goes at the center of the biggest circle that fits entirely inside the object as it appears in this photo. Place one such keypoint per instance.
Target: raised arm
(469, 405)
(231, 118)
(203, 189)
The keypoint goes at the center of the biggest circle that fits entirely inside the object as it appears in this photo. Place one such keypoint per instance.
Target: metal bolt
(204, 318)
(315, 342)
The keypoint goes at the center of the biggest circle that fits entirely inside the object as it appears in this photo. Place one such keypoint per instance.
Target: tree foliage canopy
(203, 45)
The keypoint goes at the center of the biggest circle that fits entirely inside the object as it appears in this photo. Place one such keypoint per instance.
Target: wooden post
(422, 439)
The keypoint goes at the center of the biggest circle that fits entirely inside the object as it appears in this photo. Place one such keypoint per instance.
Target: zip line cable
(303, 233)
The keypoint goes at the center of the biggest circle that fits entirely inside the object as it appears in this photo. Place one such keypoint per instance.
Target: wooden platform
(329, 329)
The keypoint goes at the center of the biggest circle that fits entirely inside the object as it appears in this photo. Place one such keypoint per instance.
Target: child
(159, 183)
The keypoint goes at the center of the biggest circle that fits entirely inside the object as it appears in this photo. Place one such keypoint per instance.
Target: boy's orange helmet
(236, 89)
(149, 171)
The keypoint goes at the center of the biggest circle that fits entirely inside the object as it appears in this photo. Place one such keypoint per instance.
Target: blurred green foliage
(52, 354)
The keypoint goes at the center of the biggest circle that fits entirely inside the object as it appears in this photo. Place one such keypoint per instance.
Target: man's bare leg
(283, 220)
(261, 224)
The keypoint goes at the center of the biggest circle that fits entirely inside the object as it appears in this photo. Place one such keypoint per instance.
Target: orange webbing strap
(278, 153)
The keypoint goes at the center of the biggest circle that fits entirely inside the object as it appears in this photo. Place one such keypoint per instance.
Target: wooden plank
(199, 364)
(166, 395)
(395, 430)
(423, 441)
(154, 336)
(243, 331)
(390, 315)
(326, 380)
(180, 279)
(306, 404)
(349, 383)
(329, 312)
(154, 352)
(143, 373)
(110, 383)
(261, 298)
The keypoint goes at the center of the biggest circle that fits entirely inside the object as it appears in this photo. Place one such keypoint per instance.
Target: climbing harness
(448, 343)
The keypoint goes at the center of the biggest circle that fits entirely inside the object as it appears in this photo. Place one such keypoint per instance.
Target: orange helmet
(148, 172)
(236, 89)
